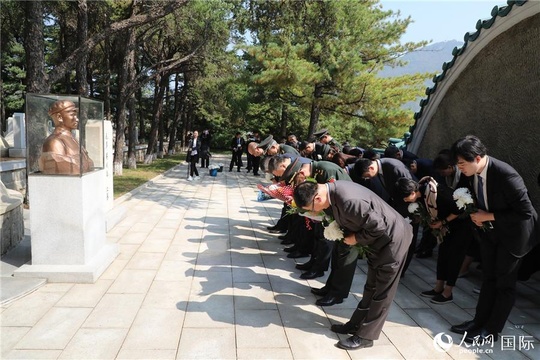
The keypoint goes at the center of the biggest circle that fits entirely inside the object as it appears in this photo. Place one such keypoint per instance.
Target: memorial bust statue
(61, 152)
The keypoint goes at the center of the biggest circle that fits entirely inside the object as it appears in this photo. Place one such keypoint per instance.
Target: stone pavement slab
(199, 277)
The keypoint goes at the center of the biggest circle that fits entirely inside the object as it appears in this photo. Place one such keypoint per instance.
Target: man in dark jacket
(365, 219)
(508, 218)
(237, 148)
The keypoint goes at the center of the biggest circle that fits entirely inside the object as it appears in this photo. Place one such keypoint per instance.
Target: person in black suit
(365, 219)
(505, 208)
(194, 149)
(237, 147)
(381, 176)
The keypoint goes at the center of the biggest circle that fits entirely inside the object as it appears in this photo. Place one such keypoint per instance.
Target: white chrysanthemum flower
(463, 197)
(333, 231)
(408, 220)
(413, 207)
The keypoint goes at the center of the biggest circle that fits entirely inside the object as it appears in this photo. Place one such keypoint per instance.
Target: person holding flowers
(365, 219)
(433, 204)
(506, 221)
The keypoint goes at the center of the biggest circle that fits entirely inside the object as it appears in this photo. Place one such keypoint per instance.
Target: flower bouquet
(279, 191)
(465, 202)
(332, 231)
(421, 215)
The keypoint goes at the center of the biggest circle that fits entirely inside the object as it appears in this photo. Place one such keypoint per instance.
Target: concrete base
(114, 216)
(87, 273)
(68, 227)
(17, 153)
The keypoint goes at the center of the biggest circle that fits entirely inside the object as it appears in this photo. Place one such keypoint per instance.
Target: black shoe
(344, 328)
(304, 266)
(290, 249)
(329, 300)
(256, 174)
(319, 291)
(424, 254)
(354, 342)
(481, 337)
(430, 293)
(287, 242)
(311, 275)
(467, 326)
(297, 254)
(282, 237)
(272, 227)
(238, 170)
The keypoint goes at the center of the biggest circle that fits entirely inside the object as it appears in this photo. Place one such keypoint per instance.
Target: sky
(440, 20)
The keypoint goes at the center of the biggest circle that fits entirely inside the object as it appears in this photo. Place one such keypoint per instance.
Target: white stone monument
(68, 228)
(18, 133)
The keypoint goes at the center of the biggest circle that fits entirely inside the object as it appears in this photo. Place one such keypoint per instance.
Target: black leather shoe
(287, 242)
(354, 342)
(329, 300)
(296, 255)
(319, 292)
(304, 266)
(275, 231)
(481, 337)
(282, 237)
(344, 328)
(290, 249)
(311, 275)
(467, 326)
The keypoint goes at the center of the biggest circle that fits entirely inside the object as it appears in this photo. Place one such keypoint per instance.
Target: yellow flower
(293, 204)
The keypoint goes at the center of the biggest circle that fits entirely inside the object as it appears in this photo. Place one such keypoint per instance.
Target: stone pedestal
(11, 218)
(67, 226)
(18, 126)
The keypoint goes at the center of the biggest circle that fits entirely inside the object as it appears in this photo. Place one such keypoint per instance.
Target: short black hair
(468, 147)
(391, 151)
(443, 161)
(361, 166)
(274, 162)
(405, 186)
(304, 193)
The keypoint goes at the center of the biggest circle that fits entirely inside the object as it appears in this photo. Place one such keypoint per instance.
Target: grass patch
(133, 178)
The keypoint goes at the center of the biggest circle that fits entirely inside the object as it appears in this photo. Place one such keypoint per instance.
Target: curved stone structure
(491, 89)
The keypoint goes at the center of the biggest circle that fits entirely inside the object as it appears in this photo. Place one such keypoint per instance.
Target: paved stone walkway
(199, 277)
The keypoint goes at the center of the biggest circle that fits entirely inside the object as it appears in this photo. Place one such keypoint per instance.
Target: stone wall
(497, 98)
(11, 229)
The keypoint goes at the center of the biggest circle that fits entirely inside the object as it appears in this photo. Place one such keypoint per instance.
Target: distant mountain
(427, 59)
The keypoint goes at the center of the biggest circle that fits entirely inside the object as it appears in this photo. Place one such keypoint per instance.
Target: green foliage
(326, 54)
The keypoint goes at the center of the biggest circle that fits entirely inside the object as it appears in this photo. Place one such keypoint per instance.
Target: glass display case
(65, 134)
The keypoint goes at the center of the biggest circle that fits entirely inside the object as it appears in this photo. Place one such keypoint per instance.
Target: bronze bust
(61, 152)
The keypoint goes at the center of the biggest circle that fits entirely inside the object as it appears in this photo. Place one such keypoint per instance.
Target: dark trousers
(255, 161)
(412, 248)
(384, 270)
(236, 159)
(499, 276)
(193, 165)
(343, 266)
(452, 251)
(205, 161)
(321, 252)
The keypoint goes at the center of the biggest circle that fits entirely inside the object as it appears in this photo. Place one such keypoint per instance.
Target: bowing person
(365, 219)
(508, 220)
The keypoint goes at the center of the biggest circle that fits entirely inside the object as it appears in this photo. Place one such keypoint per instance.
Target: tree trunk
(132, 106)
(82, 35)
(34, 45)
(157, 119)
(176, 116)
(127, 74)
(315, 110)
(284, 119)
